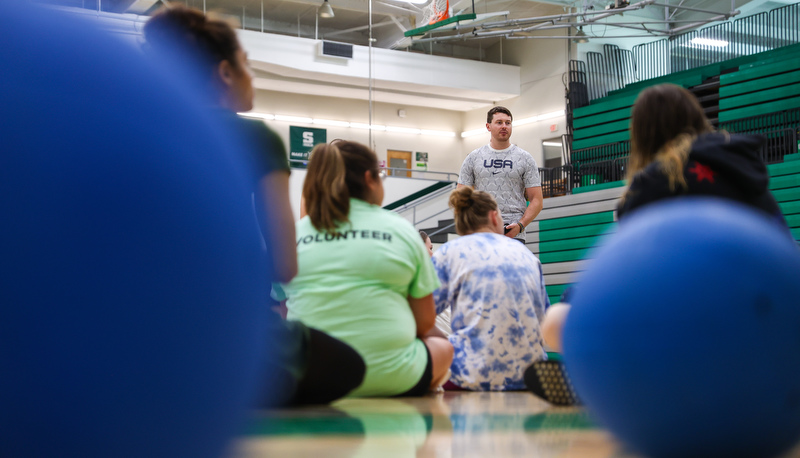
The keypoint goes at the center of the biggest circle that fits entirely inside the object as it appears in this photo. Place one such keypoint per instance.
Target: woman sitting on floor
(676, 153)
(364, 275)
(310, 367)
(495, 290)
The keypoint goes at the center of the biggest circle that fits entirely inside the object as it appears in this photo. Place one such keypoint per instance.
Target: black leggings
(309, 367)
(333, 370)
(424, 385)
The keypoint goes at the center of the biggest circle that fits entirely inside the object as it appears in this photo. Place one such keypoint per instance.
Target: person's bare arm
(424, 312)
(459, 185)
(553, 325)
(534, 196)
(281, 242)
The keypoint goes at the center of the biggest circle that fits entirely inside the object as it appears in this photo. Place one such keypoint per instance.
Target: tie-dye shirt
(495, 289)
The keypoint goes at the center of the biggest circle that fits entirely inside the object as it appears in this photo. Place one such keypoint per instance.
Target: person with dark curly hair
(310, 367)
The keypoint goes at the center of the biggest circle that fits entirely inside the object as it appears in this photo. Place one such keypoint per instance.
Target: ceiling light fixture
(709, 42)
(325, 10)
(519, 122)
(580, 37)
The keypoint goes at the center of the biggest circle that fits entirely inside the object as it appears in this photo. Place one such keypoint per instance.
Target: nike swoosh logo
(495, 173)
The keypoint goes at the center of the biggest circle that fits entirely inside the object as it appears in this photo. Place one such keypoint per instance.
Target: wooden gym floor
(450, 424)
(446, 425)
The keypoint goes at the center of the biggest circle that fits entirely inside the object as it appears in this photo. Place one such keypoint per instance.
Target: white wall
(444, 153)
(542, 62)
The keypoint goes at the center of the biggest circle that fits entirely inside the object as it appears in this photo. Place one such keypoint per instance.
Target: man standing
(507, 172)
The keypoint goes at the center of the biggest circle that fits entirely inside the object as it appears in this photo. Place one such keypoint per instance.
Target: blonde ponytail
(336, 175)
(325, 190)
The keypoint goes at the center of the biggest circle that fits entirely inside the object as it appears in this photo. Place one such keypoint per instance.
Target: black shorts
(424, 385)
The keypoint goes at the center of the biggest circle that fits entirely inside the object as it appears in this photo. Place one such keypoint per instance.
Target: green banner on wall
(302, 141)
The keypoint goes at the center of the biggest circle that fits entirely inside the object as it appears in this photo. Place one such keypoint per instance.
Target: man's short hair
(498, 109)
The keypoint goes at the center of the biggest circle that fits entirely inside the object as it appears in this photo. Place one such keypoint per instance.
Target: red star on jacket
(703, 172)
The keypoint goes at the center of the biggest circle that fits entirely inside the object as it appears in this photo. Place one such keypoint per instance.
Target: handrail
(436, 194)
(439, 231)
(425, 199)
(399, 169)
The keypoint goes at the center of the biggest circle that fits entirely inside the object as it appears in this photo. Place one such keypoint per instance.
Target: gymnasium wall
(442, 151)
(541, 62)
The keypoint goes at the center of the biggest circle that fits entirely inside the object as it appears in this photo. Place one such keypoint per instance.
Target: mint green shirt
(354, 286)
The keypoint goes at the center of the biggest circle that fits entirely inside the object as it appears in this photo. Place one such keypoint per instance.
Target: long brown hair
(335, 175)
(471, 209)
(665, 121)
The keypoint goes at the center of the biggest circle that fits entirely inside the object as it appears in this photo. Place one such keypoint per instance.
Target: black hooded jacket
(719, 165)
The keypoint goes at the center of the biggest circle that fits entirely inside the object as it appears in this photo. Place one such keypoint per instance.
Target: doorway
(552, 152)
(399, 160)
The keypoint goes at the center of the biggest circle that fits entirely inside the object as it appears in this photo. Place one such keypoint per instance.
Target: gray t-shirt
(504, 174)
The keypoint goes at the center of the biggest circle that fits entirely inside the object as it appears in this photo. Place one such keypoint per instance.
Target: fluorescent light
(438, 133)
(329, 122)
(256, 115)
(709, 42)
(551, 144)
(519, 122)
(403, 130)
(359, 125)
(293, 119)
(470, 133)
(522, 122)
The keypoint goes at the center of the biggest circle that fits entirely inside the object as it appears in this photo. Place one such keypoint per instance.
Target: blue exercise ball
(134, 281)
(684, 335)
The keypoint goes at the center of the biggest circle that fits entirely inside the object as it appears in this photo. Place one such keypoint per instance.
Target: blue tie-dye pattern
(528, 357)
(497, 297)
(499, 366)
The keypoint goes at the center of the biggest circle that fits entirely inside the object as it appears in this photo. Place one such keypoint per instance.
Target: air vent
(333, 49)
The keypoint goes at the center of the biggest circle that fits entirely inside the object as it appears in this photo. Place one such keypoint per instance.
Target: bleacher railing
(557, 181)
(563, 180)
(614, 67)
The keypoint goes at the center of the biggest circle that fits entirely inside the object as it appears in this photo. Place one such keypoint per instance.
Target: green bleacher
(763, 84)
(760, 88)
(785, 186)
(571, 238)
(752, 85)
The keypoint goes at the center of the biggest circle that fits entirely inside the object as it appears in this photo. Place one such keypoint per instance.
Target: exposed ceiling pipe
(552, 22)
(547, 23)
(721, 17)
(565, 16)
(687, 8)
(357, 29)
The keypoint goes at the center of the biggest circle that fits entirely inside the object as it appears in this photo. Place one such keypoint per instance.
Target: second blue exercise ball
(684, 335)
